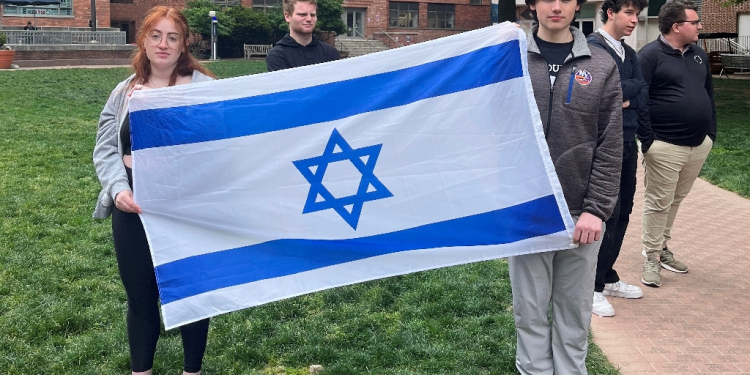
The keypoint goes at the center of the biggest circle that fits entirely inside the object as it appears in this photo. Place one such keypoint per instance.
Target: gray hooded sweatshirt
(108, 150)
(582, 120)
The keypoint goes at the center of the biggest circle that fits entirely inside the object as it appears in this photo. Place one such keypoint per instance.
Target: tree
(238, 25)
(329, 16)
(196, 12)
(278, 23)
(250, 26)
(329, 19)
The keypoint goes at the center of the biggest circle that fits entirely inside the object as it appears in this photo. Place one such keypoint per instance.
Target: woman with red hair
(162, 59)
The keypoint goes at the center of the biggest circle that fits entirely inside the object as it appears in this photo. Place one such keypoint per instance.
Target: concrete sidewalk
(695, 323)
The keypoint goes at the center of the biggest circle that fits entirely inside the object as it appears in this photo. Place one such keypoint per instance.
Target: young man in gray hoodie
(578, 94)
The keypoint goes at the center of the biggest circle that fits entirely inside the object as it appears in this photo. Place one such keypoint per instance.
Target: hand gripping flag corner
(265, 187)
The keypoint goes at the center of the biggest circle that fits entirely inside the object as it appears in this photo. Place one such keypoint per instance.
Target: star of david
(369, 189)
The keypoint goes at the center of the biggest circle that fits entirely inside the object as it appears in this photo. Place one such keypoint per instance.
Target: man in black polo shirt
(300, 47)
(683, 123)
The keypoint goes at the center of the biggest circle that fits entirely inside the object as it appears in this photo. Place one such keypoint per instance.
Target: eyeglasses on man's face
(694, 23)
(155, 38)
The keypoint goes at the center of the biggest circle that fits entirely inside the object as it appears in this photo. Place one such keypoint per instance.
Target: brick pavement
(695, 323)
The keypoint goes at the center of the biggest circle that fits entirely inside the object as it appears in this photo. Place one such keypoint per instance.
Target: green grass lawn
(62, 307)
(728, 165)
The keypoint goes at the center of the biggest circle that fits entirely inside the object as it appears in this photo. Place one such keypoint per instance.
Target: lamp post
(214, 25)
(93, 15)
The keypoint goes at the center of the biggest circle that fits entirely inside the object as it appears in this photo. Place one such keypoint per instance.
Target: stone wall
(70, 52)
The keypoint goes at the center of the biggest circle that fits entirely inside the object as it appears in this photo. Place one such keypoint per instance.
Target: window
(227, 3)
(259, 5)
(654, 6)
(441, 16)
(588, 10)
(65, 8)
(586, 26)
(586, 18)
(403, 15)
(475, 2)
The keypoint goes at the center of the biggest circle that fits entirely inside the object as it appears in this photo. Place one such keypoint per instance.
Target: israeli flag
(260, 188)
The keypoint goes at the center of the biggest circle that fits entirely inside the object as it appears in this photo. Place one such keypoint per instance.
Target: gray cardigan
(582, 119)
(108, 151)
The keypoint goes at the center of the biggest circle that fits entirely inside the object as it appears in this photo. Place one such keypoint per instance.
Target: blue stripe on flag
(203, 273)
(327, 102)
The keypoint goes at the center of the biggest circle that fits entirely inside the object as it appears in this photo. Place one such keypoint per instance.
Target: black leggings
(137, 275)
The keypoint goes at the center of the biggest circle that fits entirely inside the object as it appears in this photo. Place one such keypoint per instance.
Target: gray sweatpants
(565, 278)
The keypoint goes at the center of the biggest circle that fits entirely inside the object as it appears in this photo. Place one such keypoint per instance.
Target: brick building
(716, 19)
(408, 22)
(587, 20)
(127, 15)
(69, 13)
(390, 21)
(720, 19)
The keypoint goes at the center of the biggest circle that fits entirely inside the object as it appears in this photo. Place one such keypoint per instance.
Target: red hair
(186, 63)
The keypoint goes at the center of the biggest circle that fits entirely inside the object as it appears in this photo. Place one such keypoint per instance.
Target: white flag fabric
(265, 187)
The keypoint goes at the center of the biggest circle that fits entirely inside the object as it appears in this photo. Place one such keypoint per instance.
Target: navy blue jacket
(287, 53)
(634, 87)
(681, 94)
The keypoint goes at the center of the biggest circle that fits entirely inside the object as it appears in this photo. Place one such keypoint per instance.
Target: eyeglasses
(155, 38)
(694, 23)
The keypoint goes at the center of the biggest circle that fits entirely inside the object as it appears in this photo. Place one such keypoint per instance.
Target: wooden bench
(257, 49)
(734, 62)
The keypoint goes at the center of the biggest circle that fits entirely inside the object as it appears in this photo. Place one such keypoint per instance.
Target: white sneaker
(601, 306)
(623, 290)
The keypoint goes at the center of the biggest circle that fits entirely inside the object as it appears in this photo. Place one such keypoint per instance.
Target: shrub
(278, 23)
(329, 16)
(196, 13)
(238, 25)
(250, 26)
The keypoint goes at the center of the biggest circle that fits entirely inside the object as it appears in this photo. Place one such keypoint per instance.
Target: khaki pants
(564, 278)
(670, 171)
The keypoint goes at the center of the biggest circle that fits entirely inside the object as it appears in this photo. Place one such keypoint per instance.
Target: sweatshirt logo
(698, 59)
(583, 77)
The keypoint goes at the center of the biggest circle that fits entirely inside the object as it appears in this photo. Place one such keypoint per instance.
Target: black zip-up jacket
(287, 53)
(681, 106)
(634, 87)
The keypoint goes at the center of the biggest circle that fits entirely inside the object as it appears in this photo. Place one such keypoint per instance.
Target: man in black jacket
(682, 114)
(620, 18)
(300, 47)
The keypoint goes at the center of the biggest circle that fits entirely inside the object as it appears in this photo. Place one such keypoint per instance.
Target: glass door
(355, 22)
